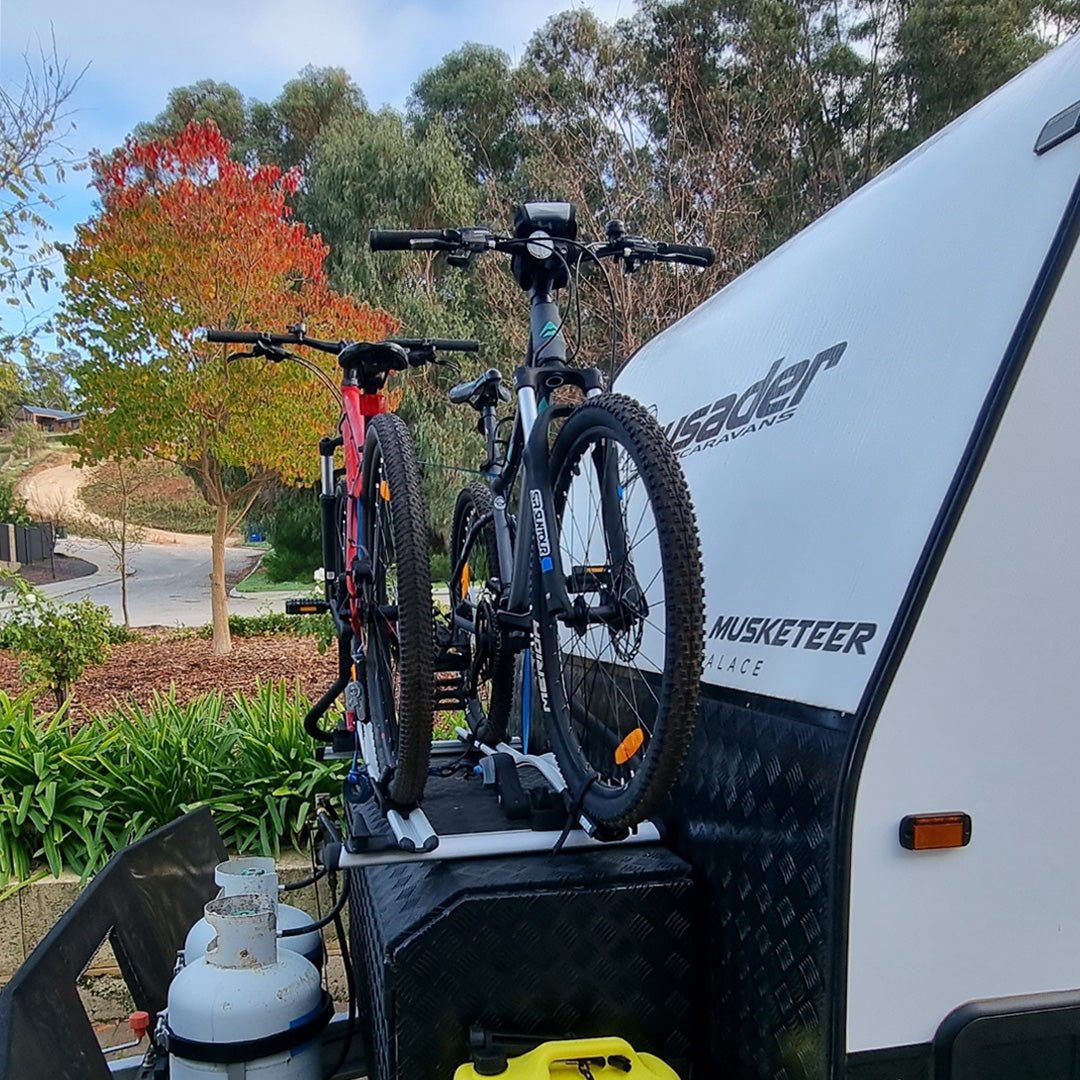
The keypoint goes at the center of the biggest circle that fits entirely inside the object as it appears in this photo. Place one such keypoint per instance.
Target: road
(168, 585)
(168, 573)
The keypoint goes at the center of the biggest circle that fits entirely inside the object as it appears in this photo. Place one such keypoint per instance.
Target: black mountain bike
(599, 571)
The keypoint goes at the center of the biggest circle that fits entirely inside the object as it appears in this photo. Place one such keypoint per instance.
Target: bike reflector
(629, 746)
(384, 490)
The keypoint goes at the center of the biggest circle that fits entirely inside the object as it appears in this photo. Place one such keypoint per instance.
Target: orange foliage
(186, 238)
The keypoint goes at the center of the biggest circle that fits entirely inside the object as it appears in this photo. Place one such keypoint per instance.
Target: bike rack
(414, 839)
(485, 845)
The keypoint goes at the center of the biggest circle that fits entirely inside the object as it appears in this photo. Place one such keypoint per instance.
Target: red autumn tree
(188, 238)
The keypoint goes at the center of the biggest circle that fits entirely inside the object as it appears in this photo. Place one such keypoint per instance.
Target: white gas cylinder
(256, 875)
(246, 1009)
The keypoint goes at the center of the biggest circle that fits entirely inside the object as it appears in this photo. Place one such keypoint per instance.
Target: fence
(26, 544)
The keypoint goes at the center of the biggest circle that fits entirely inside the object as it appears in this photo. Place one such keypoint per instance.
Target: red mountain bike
(376, 560)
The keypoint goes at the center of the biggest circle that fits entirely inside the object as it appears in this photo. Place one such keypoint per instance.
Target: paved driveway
(168, 584)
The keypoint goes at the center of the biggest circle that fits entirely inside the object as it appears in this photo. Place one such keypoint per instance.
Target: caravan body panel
(900, 304)
(982, 717)
(831, 408)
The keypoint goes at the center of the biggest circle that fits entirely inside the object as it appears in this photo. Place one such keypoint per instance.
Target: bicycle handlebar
(632, 250)
(255, 337)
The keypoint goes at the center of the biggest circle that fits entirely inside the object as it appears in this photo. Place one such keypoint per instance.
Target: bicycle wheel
(489, 683)
(398, 627)
(621, 679)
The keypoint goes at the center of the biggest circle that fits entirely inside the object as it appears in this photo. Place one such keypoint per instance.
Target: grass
(259, 582)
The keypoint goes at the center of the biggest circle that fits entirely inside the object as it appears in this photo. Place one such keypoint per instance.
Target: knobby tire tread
(389, 438)
(474, 501)
(684, 648)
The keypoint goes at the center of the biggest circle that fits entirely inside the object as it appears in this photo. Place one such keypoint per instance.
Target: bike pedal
(302, 606)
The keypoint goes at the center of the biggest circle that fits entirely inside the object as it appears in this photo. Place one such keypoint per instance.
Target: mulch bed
(137, 669)
(60, 568)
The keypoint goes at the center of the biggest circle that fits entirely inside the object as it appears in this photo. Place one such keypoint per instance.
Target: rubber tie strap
(573, 816)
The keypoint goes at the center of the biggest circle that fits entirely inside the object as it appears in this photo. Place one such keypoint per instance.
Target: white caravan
(879, 423)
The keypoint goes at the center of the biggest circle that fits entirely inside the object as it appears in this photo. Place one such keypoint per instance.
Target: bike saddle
(481, 392)
(374, 356)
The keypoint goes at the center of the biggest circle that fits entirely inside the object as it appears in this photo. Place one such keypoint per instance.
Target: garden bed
(154, 663)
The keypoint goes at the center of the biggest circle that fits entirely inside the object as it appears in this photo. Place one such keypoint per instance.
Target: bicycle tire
(399, 637)
(491, 663)
(611, 685)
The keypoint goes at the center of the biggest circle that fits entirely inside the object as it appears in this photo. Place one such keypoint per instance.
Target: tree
(285, 131)
(201, 103)
(13, 390)
(120, 482)
(47, 375)
(472, 92)
(282, 132)
(26, 439)
(34, 125)
(372, 169)
(188, 237)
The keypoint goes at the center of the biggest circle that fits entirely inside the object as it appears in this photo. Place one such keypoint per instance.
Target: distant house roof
(52, 414)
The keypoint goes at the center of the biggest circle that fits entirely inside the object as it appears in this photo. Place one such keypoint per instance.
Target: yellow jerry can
(572, 1059)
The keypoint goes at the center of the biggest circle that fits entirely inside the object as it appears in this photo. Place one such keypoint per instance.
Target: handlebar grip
(702, 256)
(406, 239)
(235, 337)
(439, 344)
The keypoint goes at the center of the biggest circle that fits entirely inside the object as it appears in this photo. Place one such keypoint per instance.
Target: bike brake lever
(425, 354)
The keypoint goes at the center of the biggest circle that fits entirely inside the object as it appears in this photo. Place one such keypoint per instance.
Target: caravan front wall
(889, 628)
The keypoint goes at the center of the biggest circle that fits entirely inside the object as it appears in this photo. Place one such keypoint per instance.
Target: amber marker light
(935, 832)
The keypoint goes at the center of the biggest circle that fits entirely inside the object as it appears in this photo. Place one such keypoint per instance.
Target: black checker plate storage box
(592, 943)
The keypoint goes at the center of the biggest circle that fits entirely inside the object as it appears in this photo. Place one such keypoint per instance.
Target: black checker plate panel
(754, 812)
(590, 944)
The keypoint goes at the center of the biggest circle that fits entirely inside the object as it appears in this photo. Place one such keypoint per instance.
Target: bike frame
(357, 406)
(544, 371)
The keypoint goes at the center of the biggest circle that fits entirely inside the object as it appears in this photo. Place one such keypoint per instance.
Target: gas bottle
(246, 1009)
(256, 875)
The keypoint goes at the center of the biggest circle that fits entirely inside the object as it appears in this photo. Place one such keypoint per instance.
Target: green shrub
(70, 797)
(440, 568)
(289, 518)
(55, 640)
(277, 622)
(51, 802)
(12, 508)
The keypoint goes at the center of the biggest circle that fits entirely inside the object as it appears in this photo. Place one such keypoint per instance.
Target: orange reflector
(932, 832)
(307, 609)
(464, 581)
(384, 490)
(629, 746)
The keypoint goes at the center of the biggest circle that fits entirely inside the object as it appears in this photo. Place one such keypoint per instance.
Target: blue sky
(138, 50)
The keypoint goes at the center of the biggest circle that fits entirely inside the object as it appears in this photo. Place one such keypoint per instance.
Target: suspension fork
(328, 516)
(357, 407)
